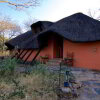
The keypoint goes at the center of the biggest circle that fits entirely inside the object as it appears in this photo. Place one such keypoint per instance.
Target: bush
(40, 69)
(8, 66)
(18, 90)
(39, 84)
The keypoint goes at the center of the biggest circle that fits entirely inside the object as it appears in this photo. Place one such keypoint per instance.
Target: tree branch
(22, 3)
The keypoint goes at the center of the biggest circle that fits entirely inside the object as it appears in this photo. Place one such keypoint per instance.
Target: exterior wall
(32, 55)
(86, 55)
(24, 58)
(46, 51)
(23, 53)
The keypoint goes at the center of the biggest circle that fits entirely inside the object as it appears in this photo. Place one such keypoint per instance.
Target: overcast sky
(51, 10)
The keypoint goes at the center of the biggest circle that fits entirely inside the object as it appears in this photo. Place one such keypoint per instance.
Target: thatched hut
(75, 37)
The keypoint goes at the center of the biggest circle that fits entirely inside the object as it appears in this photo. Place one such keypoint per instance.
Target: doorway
(58, 47)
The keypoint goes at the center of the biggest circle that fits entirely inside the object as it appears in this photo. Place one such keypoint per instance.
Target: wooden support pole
(14, 56)
(36, 55)
(20, 54)
(24, 55)
(28, 56)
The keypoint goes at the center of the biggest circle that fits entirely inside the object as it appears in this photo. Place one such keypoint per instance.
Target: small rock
(77, 85)
(66, 90)
(75, 94)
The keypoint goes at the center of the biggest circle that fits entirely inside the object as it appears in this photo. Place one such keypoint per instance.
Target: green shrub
(8, 66)
(40, 69)
(19, 90)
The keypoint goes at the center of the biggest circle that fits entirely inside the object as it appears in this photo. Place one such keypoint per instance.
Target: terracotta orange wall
(24, 58)
(86, 55)
(23, 53)
(32, 55)
(46, 51)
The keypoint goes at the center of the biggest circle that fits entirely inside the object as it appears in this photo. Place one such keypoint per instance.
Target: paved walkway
(90, 80)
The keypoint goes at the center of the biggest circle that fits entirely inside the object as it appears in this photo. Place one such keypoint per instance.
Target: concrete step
(54, 62)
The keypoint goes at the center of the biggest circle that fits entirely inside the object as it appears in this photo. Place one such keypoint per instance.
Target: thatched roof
(43, 24)
(77, 28)
(27, 40)
(30, 43)
(17, 41)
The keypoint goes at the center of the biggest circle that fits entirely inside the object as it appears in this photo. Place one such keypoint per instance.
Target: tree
(8, 30)
(94, 14)
(21, 3)
(28, 23)
(11, 33)
(2, 40)
(6, 25)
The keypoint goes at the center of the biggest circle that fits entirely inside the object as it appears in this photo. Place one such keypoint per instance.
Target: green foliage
(19, 90)
(50, 79)
(2, 40)
(39, 82)
(8, 66)
(40, 69)
(35, 63)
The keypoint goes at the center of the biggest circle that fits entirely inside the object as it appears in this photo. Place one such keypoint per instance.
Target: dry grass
(4, 53)
(37, 85)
